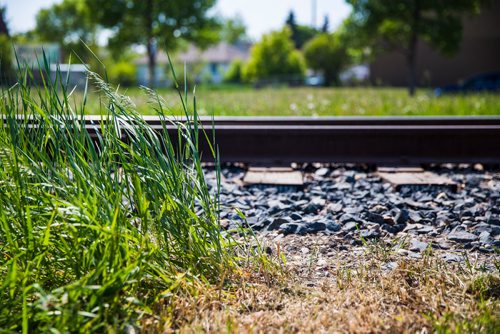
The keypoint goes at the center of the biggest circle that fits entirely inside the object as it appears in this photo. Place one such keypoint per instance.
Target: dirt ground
(322, 286)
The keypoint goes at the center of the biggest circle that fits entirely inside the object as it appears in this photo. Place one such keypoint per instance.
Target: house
(45, 59)
(215, 60)
(479, 52)
(142, 70)
(71, 74)
(35, 55)
(206, 65)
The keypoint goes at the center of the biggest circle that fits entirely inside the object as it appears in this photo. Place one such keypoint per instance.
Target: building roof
(219, 53)
(161, 59)
(69, 67)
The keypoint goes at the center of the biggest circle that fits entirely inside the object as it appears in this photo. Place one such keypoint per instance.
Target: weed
(96, 234)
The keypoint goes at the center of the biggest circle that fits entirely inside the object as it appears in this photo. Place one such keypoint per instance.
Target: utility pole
(313, 9)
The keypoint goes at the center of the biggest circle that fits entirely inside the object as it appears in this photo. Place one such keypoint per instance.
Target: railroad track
(398, 141)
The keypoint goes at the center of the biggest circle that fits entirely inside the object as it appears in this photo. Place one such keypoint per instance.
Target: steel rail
(400, 141)
(343, 120)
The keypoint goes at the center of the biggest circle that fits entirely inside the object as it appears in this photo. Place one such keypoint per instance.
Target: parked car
(485, 82)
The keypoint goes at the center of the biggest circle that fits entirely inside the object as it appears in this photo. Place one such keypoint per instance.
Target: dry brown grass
(351, 292)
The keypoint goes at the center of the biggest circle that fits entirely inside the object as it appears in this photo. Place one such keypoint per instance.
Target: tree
(300, 34)
(325, 53)
(68, 23)
(233, 30)
(5, 49)
(274, 57)
(4, 30)
(399, 24)
(154, 23)
(326, 25)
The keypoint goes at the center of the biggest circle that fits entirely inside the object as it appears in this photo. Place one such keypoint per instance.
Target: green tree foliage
(68, 23)
(234, 72)
(154, 23)
(326, 54)
(300, 34)
(6, 71)
(274, 57)
(399, 24)
(5, 50)
(122, 73)
(233, 30)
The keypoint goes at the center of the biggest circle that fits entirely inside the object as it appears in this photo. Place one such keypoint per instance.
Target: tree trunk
(412, 49)
(412, 68)
(152, 62)
(151, 47)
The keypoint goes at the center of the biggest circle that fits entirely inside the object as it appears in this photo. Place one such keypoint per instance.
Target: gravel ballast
(351, 206)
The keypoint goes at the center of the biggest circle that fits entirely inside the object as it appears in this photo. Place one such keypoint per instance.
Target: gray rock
(413, 255)
(494, 221)
(449, 257)
(316, 227)
(461, 236)
(276, 206)
(390, 228)
(277, 222)
(414, 216)
(333, 226)
(417, 246)
(402, 216)
(288, 228)
(389, 266)
(483, 227)
(417, 205)
(350, 226)
(322, 172)
(347, 218)
(315, 205)
(485, 237)
(353, 210)
(256, 223)
(425, 229)
(375, 218)
(441, 244)
(296, 217)
(334, 207)
(369, 234)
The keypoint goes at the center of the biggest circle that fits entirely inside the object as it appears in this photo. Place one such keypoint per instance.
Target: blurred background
(274, 57)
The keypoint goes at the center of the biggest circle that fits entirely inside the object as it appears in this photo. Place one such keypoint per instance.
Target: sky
(260, 16)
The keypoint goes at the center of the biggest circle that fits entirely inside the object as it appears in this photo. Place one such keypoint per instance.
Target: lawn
(246, 101)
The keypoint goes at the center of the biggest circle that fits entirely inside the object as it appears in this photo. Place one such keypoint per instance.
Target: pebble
(448, 257)
(461, 236)
(417, 246)
(349, 203)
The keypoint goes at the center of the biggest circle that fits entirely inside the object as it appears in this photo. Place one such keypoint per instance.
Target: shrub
(6, 71)
(122, 73)
(275, 58)
(326, 54)
(234, 72)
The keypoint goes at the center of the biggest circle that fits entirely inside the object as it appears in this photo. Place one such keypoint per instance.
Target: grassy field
(323, 102)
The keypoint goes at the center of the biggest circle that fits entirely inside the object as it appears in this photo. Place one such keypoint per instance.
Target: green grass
(246, 101)
(97, 240)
